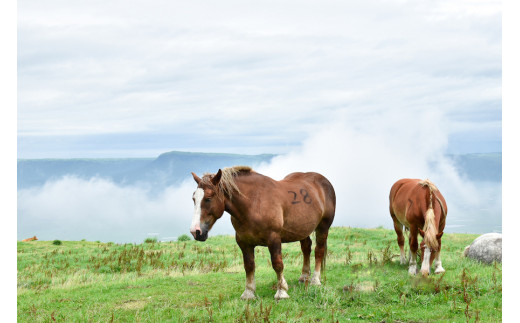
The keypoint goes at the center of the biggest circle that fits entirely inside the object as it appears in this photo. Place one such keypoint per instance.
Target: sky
(135, 79)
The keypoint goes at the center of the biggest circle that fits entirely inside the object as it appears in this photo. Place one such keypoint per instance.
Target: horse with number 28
(266, 212)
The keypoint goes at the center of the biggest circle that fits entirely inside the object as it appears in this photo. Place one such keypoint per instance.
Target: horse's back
(409, 199)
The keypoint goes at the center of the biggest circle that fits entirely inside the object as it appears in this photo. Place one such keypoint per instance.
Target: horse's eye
(208, 199)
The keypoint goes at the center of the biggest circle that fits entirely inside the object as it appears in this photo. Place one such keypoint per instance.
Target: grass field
(83, 281)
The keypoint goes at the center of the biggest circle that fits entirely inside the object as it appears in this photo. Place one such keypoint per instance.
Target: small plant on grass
(56, 242)
(184, 237)
(150, 240)
(348, 256)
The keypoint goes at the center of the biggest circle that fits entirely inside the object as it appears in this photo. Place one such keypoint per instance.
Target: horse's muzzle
(201, 236)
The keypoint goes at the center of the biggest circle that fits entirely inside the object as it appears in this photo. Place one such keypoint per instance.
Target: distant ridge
(167, 169)
(173, 167)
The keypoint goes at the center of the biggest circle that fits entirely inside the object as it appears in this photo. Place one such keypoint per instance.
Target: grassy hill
(192, 281)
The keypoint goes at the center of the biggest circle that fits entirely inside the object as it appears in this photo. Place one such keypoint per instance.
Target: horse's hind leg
(398, 227)
(322, 232)
(306, 245)
(414, 245)
(275, 249)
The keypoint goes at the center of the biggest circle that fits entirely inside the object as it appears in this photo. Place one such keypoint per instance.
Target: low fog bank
(361, 162)
(98, 209)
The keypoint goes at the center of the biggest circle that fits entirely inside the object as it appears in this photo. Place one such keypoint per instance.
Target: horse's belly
(291, 233)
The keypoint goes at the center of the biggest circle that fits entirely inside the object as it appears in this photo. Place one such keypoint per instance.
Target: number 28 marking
(305, 195)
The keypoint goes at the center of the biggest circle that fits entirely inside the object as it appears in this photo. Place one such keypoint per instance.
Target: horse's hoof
(315, 282)
(440, 270)
(281, 294)
(412, 270)
(303, 278)
(248, 294)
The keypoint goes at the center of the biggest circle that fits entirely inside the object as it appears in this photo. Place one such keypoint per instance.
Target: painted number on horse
(304, 194)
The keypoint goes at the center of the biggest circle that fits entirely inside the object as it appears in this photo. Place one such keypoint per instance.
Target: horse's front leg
(437, 261)
(248, 253)
(275, 249)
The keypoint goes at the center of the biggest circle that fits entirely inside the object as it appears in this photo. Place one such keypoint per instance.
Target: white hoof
(315, 280)
(281, 294)
(248, 294)
(412, 270)
(439, 270)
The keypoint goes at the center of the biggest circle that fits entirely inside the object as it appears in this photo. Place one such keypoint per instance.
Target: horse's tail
(430, 229)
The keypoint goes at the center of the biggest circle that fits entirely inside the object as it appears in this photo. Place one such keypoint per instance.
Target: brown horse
(419, 206)
(30, 239)
(265, 212)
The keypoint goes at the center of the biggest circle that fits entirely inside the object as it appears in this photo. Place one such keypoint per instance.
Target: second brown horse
(419, 206)
(266, 212)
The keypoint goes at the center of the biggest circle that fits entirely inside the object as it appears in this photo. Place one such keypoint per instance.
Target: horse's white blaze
(195, 221)
(425, 267)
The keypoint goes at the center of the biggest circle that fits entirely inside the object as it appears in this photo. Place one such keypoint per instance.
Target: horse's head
(209, 205)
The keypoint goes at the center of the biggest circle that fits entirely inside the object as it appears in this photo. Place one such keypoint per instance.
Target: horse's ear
(421, 232)
(439, 235)
(217, 177)
(195, 177)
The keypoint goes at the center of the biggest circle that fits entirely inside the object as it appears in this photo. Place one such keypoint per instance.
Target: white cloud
(230, 67)
(98, 209)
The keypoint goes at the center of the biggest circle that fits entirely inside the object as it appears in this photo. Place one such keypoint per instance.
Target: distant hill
(173, 167)
(480, 167)
(167, 169)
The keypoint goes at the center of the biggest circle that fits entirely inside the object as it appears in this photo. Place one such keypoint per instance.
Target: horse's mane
(227, 184)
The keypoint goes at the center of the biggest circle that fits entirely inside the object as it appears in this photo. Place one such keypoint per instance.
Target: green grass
(191, 281)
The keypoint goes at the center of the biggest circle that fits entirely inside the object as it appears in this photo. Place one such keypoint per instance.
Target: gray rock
(486, 248)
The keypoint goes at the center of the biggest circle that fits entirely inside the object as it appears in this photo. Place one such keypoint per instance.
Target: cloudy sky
(135, 78)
